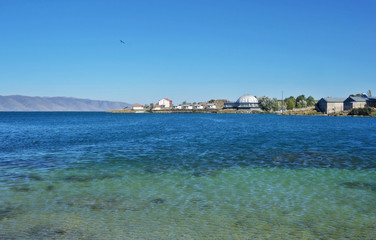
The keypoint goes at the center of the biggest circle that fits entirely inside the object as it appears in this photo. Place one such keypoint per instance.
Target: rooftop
(358, 99)
(334, 100)
(247, 98)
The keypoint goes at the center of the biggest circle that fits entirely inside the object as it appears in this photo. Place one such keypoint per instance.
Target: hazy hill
(25, 103)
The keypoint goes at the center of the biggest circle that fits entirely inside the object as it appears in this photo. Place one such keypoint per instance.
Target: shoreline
(300, 112)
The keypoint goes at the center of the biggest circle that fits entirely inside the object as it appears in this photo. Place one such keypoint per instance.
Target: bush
(367, 111)
(266, 103)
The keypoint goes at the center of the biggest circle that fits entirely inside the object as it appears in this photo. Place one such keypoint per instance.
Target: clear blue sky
(187, 50)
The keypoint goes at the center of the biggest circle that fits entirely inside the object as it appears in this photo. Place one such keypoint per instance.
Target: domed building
(245, 102)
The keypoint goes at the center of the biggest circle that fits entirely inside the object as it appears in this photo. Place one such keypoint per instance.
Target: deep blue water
(195, 141)
(63, 150)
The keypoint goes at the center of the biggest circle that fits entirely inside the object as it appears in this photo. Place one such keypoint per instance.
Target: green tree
(300, 98)
(266, 103)
(184, 102)
(151, 106)
(301, 104)
(211, 101)
(310, 101)
(290, 103)
(276, 105)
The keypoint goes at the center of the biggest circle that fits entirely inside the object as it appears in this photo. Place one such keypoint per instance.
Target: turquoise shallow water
(186, 176)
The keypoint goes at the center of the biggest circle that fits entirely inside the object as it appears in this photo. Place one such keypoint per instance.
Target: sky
(192, 51)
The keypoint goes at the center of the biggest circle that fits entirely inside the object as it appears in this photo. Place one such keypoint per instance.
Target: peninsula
(26, 103)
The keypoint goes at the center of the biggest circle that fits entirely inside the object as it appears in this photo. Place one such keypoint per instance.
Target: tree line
(273, 104)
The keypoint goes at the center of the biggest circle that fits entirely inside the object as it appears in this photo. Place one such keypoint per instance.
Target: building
(138, 107)
(246, 102)
(177, 107)
(371, 102)
(198, 107)
(211, 106)
(165, 103)
(330, 105)
(354, 102)
(187, 107)
(157, 107)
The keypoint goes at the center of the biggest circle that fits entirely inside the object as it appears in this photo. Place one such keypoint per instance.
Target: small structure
(157, 108)
(330, 105)
(245, 102)
(354, 102)
(187, 107)
(176, 107)
(165, 103)
(198, 107)
(211, 106)
(138, 107)
(371, 102)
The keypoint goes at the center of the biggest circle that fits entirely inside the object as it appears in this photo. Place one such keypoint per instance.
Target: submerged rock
(158, 201)
(9, 211)
(76, 178)
(50, 187)
(79, 178)
(203, 173)
(49, 231)
(17, 176)
(35, 177)
(242, 223)
(6, 212)
(155, 170)
(21, 188)
(101, 204)
(360, 185)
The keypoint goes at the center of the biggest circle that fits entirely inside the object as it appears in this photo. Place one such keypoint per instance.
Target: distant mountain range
(25, 103)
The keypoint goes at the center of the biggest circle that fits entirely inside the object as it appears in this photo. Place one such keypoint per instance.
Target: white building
(187, 107)
(330, 105)
(138, 107)
(198, 107)
(157, 107)
(246, 102)
(165, 103)
(176, 107)
(211, 106)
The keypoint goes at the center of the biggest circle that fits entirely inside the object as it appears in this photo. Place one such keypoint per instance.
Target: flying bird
(121, 41)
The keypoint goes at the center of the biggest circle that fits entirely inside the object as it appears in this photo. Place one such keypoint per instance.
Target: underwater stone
(78, 179)
(155, 170)
(6, 212)
(360, 185)
(60, 231)
(199, 174)
(203, 173)
(99, 204)
(35, 177)
(158, 201)
(88, 178)
(45, 232)
(22, 188)
(96, 206)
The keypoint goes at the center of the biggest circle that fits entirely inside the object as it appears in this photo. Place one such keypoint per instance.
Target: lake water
(186, 176)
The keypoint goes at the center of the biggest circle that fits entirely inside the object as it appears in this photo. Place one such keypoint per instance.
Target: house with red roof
(165, 103)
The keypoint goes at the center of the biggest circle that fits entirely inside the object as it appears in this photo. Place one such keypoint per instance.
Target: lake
(72, 175)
